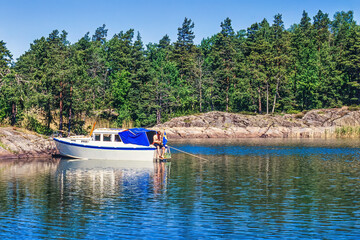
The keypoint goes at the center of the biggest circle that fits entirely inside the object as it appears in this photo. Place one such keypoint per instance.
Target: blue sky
(23, 21)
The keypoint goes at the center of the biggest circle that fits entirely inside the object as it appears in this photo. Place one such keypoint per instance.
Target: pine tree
(225, 60)
(11, 87)
(280, 59)
(342, 30)
(140, 76)
(184, 55)
(258, 57)
(100, 34)
(350, 64)
(5, 60)
(305, 78)
(162, 94)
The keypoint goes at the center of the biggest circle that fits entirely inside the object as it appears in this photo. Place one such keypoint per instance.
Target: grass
(7, 148)
(348, 131)
(3, 146)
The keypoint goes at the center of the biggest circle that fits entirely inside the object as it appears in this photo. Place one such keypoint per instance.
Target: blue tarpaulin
(135, 136)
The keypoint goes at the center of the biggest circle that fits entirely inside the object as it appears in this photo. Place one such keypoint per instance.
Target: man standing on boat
(158, 144)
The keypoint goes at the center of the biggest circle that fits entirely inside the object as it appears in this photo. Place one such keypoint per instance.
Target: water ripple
(253, 191)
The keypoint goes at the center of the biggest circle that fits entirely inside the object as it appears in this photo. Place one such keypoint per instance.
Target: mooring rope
(188, 153)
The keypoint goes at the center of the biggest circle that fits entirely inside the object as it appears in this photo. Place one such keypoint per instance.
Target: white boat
(110, 144)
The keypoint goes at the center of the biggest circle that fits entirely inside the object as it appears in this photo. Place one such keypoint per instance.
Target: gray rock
(313, 124)
(19, 143)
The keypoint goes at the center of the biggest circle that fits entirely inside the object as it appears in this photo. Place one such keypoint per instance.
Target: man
(158, 144)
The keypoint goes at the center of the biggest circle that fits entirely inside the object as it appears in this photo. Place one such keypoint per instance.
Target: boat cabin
(106, 135)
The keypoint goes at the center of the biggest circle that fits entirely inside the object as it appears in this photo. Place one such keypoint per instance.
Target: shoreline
(18, 143)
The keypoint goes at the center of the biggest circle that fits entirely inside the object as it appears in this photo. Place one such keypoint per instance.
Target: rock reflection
(27, 168)
(21, 179)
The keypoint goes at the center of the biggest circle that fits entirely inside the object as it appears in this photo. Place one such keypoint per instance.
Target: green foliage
(263, 69)
(77, 127)
(354, 108)
(293, 111)
(120, 88)
(4, 109)
(32, 124)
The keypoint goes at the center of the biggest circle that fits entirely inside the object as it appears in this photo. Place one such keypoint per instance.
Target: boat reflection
(102, 179)
(92, 164)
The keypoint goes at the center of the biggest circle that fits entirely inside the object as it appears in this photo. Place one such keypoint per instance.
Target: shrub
(33, 124)
(292, 111)
(354, 108)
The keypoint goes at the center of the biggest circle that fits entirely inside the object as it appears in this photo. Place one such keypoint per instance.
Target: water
(243, 189)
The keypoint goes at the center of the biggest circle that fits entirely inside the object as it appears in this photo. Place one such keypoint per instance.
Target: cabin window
(107, 137)
(117, 138)
(97, 137)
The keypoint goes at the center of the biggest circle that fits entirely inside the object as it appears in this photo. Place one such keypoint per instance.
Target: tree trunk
(276, 93)
(211, 95)
(13, 114)
(259, 101)
(70, 111)
(227, 94)
(158, 112)
(252, 97)
(158, 116)
(48, 114)
(212, 100)
(200, 93)
(61, 108)
(267, 97)
(158, 100)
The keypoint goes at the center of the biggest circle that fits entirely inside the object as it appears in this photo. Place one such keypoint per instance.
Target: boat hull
(86, 151)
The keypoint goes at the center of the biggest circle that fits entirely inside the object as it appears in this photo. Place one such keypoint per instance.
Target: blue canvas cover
(135, 136)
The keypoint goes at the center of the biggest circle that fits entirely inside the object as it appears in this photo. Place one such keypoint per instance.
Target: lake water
(239, 189)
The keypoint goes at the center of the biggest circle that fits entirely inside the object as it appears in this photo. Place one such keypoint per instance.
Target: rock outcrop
(313, 124)
(20, 143)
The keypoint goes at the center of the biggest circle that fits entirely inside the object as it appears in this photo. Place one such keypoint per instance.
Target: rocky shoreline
(320, 123)
(16, 143)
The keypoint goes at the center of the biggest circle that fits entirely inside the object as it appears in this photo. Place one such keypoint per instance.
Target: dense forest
(264, 69)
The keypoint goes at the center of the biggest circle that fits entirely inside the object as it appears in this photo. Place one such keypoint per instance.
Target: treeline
(264, 69)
